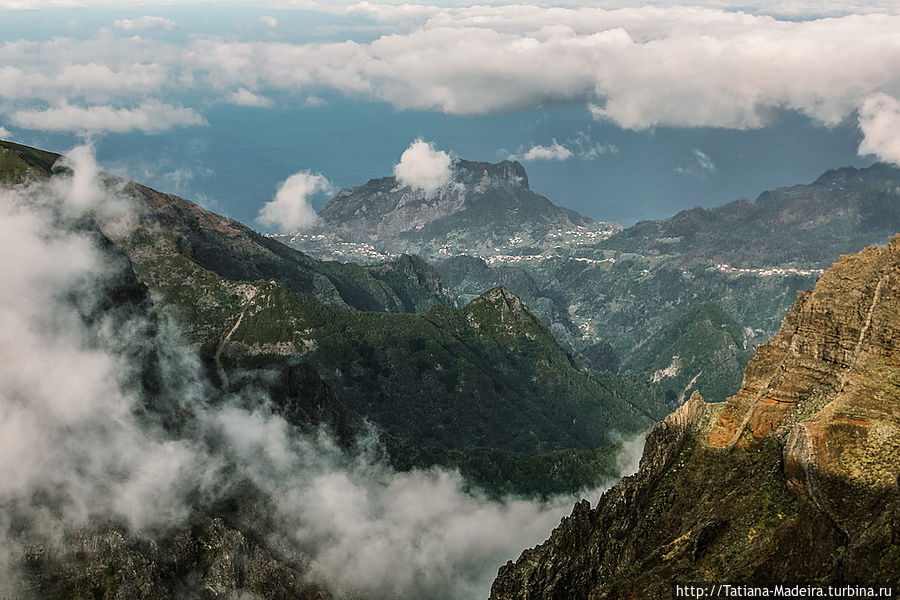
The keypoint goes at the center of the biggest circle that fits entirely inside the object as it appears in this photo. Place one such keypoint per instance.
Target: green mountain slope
(806, 226)
(488, 375)
(708, 351)
(605, 295)
(171, 226)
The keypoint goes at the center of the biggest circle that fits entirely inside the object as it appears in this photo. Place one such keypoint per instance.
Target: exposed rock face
(795, 478)
(385, 207)
(208, 560)
(482, 206)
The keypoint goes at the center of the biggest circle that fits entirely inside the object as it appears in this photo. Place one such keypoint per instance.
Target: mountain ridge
(481, 207)
(590, 285)
(249, 302)
(793, 479)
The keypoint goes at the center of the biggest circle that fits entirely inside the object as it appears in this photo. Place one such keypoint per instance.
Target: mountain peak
(852, 176)
(499, 311)
(508, 174)
(501, 299)
(483, 206)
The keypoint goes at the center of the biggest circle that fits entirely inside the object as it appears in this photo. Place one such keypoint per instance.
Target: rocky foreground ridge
(793, 479)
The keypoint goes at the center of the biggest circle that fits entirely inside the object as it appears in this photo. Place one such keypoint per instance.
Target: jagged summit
(856, 176)
(793, 479)
(509, 174)
(481, 208)
(501, 310)
(503, 174)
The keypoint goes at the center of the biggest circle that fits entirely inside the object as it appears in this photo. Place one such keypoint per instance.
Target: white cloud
(150, 117)
(391, 12)
(580, 145)
(704, 162)
(68, 426)
(144, 23)
(84, 190)
(879, 121)
(314, 102)
(701, 168)
(268, 21)
(75, 443)
(4, 132)
(554, 151)
(421, 166)
(291, 210)
(596, 150)
(244, 97)
(42, 4)
(92, 79)
(719, 68)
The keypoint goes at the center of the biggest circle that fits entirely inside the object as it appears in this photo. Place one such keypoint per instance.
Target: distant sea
(236, 163)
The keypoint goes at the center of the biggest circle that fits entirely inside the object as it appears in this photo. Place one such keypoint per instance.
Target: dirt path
(223, 377)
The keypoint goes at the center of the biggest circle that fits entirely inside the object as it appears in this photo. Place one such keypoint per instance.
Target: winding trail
(223, 377)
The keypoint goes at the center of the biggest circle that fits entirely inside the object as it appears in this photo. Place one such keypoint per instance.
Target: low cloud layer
(149, 117)
(423, 167)
(77, 444)
(719, 68)
(68, 428)
(291, 210)
(379, 534)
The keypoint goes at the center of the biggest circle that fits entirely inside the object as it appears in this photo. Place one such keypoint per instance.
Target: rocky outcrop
(385, 207)
(793, 479)
(481, 207)
(208, 560)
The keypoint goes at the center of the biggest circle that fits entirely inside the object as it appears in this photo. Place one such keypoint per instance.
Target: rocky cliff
(793, 479)
(481, 208)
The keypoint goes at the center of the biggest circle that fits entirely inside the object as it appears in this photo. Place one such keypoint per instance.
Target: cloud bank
(149, 117)
(423, 167)
(69, 431)
(719, 68)
(77, 443)
(879, 120)
(291, 210)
